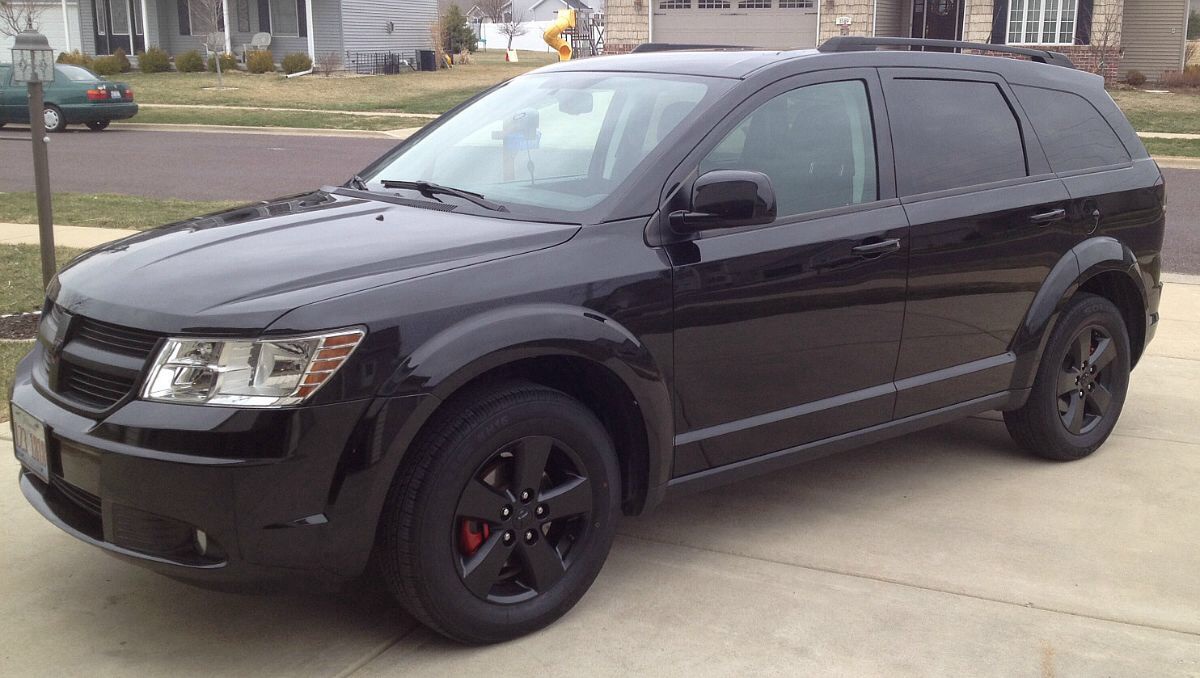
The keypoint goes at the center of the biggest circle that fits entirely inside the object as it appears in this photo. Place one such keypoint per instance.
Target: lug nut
(530, 536)
(540, 511)
(508, 537)
(526, 495)
(506, 512)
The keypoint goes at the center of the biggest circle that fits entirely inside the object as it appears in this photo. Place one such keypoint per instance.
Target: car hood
(237, 271)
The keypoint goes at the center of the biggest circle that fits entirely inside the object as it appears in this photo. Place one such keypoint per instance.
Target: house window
(712, 4)
(1042, 22)
(285, 18)
(754, 4)
(795, 4)
(205, 18)
(675, 4)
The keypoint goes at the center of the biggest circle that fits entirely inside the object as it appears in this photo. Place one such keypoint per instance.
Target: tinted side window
(816, 143)
(952, 133)
(1073, 133)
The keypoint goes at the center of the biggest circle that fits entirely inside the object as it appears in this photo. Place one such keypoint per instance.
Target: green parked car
(77, 96)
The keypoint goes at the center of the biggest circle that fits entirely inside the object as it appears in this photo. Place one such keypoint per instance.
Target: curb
(1176, 162)
(272, 109)
(272, 131)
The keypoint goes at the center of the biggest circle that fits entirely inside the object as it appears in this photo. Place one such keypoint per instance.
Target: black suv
(589, 288)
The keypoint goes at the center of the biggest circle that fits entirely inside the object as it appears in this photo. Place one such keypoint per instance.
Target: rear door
(784, 333)
(988, 220)
(5, 86)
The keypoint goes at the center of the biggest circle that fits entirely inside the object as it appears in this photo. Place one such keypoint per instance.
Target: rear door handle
(874, 249)
(1050, 217)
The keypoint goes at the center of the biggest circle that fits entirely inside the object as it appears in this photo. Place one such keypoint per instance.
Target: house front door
(938, 19)
(119, 24)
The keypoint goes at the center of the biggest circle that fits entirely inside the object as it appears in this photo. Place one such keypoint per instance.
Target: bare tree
(1105, 43)
(329, 62)
(17, 15)
(208, 18)
(513, 26)
(494, 11)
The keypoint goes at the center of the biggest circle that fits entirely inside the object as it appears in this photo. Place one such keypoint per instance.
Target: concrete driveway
(944, 553)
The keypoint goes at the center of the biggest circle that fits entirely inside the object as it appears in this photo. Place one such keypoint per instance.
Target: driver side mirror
(727, 199)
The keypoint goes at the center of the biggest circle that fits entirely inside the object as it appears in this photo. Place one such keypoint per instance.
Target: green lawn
(107, 210)
(1180, 148)
(11, 353)
(1171, 112)
(410, 92)
(21, 277)
(330, 120)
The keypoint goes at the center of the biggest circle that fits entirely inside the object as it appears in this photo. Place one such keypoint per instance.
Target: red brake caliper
(471, 534)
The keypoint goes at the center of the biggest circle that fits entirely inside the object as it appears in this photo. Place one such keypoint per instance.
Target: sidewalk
(78, 237)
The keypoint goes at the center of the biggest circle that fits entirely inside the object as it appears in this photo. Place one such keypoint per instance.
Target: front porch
(178, 26)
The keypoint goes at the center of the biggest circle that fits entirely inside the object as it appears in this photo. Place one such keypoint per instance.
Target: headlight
(251, 373)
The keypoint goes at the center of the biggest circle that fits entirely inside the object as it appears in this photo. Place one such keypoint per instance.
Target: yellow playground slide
(553, 33)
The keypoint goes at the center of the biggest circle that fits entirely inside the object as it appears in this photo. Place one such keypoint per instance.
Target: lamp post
(33, 64)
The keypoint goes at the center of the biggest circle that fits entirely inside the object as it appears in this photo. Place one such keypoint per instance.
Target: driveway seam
(920, 587)
(375, 653)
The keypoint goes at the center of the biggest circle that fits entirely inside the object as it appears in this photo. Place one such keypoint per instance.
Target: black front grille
(115, 338)
(92, 388)
(150, 533)
(81, 498)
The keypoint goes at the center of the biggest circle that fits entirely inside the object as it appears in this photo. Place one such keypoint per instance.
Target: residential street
(242, 166)
(945, 553)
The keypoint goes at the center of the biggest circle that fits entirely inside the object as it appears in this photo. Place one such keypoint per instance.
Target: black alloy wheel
(520, 518)
(1085, 385)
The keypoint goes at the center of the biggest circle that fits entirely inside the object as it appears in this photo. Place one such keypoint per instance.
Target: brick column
(627, 25)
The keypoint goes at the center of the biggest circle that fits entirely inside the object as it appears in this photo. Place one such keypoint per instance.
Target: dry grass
(1171, 112)
(413, 92)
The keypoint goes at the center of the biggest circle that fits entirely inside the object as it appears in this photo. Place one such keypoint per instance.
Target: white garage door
(50, 23)
(774, 24)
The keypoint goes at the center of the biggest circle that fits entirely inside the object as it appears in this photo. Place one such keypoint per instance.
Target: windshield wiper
(357, 183)
(430, 189)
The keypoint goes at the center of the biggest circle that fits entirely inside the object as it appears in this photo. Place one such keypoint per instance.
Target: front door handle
(875, 249)
(1046, 218)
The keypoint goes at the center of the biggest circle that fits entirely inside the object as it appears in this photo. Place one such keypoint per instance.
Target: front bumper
(278, 494)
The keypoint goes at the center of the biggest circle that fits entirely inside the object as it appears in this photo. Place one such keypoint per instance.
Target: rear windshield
(76, 73)
(553, 143)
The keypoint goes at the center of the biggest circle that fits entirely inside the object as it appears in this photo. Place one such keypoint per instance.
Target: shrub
(228, 63)
(1136, 78)
(1188, 77)
(75, 58)
(260, 61)
(329, 62)
(154, 60)
(296, 62)
(107, 65)
(122, 60)
(457, 35)
(189, 62)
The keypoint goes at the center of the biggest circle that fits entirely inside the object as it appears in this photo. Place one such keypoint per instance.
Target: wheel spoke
(531, 456)
(1082, 348)
(571, 498)
(1101, 398)
(543, 564)
(1074, 415)
(481, 501)
(480, 571)
(1068, 380)
(1104, 354)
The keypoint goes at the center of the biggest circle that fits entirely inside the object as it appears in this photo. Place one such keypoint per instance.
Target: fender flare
(471, 347)
(1083, 262)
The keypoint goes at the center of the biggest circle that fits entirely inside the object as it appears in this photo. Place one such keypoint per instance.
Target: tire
(1088, 350)
(437, 555)
(53, 117)
(98, 125)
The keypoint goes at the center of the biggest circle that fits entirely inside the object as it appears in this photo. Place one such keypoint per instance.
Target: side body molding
(454, 356)
(1084, 261)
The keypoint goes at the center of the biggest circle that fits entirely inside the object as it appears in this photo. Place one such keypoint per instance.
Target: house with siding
(315, 27)
(1109, 36)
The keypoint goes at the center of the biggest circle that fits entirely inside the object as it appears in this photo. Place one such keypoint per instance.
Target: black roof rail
(678, 47)
(849, 43)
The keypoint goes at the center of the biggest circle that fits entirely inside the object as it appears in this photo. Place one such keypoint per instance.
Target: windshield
(558, 141)
(76, 73)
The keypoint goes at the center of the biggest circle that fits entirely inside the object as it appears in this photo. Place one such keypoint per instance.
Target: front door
(788, 333)
(119, 25)
(938, 19)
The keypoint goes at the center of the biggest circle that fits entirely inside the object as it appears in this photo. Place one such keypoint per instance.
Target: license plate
(29, 442)
(115, 94)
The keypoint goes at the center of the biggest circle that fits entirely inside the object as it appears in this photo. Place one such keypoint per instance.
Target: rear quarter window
(952, 134)
(1073, 133)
